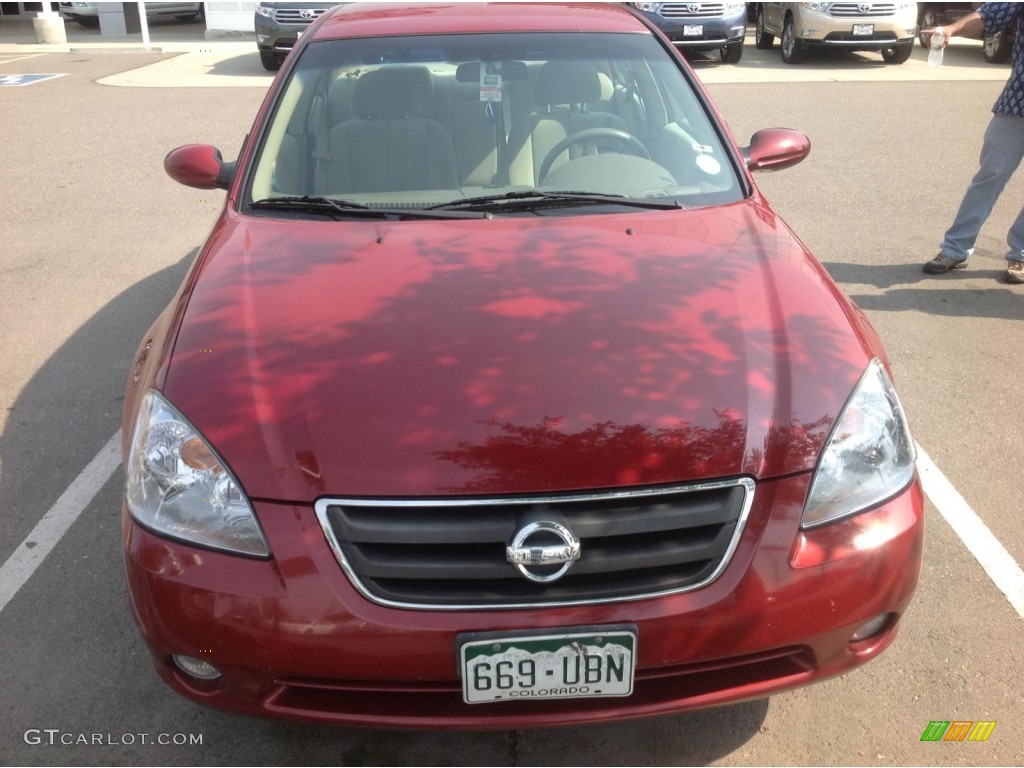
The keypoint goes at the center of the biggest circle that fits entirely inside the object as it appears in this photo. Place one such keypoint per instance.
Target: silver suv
(888, 28)
(88, 14)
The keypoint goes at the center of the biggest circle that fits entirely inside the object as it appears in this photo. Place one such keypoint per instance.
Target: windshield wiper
(535, 198)
(330, 206)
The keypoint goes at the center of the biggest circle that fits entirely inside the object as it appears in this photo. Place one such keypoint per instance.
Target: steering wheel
(592, 134)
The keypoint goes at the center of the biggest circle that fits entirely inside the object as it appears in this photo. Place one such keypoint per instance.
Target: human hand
(926, 34)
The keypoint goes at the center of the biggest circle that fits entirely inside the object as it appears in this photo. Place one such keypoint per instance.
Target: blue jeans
(1001, 153)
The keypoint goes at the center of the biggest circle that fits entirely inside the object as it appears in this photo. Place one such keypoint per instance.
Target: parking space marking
(1000, 566)
(982, 543)
(51, 529)
(20, 81)
(5, 60)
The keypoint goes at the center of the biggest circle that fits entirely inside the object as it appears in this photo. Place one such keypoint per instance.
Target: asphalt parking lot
(95, 240)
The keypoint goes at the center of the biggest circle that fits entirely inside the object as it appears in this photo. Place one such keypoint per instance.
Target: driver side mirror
(200, 166)
(773, 149)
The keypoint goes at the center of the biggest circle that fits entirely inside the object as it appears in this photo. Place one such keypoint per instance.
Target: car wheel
(762, 39)
(792, 52)
(898, 54)
(928, 20)
(88, 21)
(271, 61)
(731, 53)
(997, 48)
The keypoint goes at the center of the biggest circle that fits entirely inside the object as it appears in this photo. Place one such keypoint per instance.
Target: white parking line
(4, 60)
(51, 529)
(980, 541)
(993, 557)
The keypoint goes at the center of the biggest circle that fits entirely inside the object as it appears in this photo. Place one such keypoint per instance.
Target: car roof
(388, 19)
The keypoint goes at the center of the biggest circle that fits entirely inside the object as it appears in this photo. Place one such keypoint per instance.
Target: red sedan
(500, 397)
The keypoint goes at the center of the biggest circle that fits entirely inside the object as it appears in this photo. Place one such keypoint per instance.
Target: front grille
(451, 553)
(692, 10)
(295, 15)
(854, 10)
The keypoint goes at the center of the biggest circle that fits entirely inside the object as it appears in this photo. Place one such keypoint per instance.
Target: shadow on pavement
(956, 294)
(695, 738)
(48, 427)
(245, 65)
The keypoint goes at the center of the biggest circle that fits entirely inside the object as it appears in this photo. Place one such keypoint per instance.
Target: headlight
(178, 487)
(822, 7)
(648, 7)
(869, 456)
(262, 10)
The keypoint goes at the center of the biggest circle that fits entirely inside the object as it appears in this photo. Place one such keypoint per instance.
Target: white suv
(888, 28)
(88, 14)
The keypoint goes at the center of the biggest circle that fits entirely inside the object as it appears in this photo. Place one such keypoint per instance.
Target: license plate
(693, 30)
(530, 667)
(863, 30)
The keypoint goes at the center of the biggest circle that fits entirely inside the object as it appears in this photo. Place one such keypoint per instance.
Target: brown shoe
(1014, 271)
(943, 263)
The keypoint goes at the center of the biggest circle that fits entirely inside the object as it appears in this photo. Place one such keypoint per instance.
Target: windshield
(463, 120)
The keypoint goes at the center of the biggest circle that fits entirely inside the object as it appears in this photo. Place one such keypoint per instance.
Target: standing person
(1001, 153)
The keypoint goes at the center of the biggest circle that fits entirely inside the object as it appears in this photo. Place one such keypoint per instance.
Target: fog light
(261, 39)
(196, 668)
(870, 628)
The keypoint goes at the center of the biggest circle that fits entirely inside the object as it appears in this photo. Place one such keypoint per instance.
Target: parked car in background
(888, 28)
(88, 14)
(701, 26)
(500, 397)
(997, 48)
(278, 26)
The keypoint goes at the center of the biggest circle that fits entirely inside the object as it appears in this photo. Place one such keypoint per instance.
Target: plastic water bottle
(935, 51)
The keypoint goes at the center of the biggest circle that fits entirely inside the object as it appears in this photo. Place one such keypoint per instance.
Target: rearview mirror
(773, 149)
(469, 72)
(200, 166)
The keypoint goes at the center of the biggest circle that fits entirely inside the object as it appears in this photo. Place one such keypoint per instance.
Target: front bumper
(276, 37)
(701, 33)
(819, 29)
(877, 42)
(292, 637)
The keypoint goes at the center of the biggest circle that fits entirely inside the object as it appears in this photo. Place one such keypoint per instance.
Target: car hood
(512, 355)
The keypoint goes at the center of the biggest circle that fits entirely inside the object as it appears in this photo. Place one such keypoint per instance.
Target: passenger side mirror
(200, 166)
(773, 149)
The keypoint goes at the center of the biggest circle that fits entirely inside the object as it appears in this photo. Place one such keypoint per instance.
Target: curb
(119, 49)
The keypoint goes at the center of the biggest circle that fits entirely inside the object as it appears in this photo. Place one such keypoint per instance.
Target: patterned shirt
(997, 17)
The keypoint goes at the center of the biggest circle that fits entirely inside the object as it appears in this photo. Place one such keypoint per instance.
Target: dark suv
(278, 26)
(701, 26)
